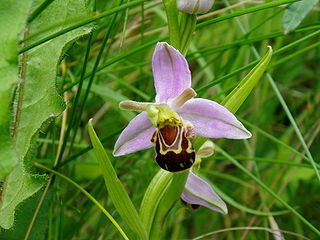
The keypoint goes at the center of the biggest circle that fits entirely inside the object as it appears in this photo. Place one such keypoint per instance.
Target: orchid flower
(176, 117)
(172, 122)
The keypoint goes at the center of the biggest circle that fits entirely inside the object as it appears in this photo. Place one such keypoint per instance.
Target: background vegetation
(93, 54)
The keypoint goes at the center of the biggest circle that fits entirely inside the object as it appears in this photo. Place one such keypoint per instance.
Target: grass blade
(87, 194)
(265, 187)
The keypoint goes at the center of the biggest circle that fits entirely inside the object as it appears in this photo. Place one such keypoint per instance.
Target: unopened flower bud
(194, 6)
(206, 150)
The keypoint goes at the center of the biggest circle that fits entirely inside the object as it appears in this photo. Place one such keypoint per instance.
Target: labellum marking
(174, 150)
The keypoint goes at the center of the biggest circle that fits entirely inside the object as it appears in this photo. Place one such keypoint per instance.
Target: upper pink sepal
(170, 71)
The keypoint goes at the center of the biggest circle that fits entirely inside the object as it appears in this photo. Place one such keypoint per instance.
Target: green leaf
(37, 100)
(23, 218)
(295, 13)
(117, 192)
(239, 94)
(13, 15)
(41, 71)
(19, 186)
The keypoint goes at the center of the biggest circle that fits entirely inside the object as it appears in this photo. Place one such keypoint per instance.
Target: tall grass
(112, 62)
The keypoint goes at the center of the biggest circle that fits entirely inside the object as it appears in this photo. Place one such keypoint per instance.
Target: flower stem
(173, 23)
(152, 197)
(187, 27)
(169, 199)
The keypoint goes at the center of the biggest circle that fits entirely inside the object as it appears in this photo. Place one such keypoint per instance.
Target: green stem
(170, 198)
(152, 197)
(173, 23)
(92, 77)
(187, 26)
(75, 102)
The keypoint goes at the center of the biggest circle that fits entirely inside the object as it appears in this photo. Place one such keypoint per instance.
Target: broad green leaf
(295, 13)
(13, 15)
(37, 100)
(19, 186)
(40, 97)
(239, 94)
(23, 218)
(117, 192)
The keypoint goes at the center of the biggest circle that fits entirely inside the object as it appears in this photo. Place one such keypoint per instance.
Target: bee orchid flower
(176, 117)
(172, 122)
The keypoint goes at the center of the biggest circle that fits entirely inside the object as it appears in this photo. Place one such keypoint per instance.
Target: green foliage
(152, 197)
(115, 188)
(11, 29)
(37, 100)
(269, 178)
(295, 13)
(169, 199)
(18, 187)
(88, 195)
(111, 97)
(40, 73)
(239, 94)
(24, 215)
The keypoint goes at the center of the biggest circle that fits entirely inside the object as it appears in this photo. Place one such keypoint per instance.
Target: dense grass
(113, 62)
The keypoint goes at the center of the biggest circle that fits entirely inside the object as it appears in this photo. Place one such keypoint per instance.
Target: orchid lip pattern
(172, 81)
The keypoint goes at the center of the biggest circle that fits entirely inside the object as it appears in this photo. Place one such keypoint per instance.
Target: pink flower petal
(198, 191)
(136, 136)
(171, 72)
(212, 120)
(194, 6)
